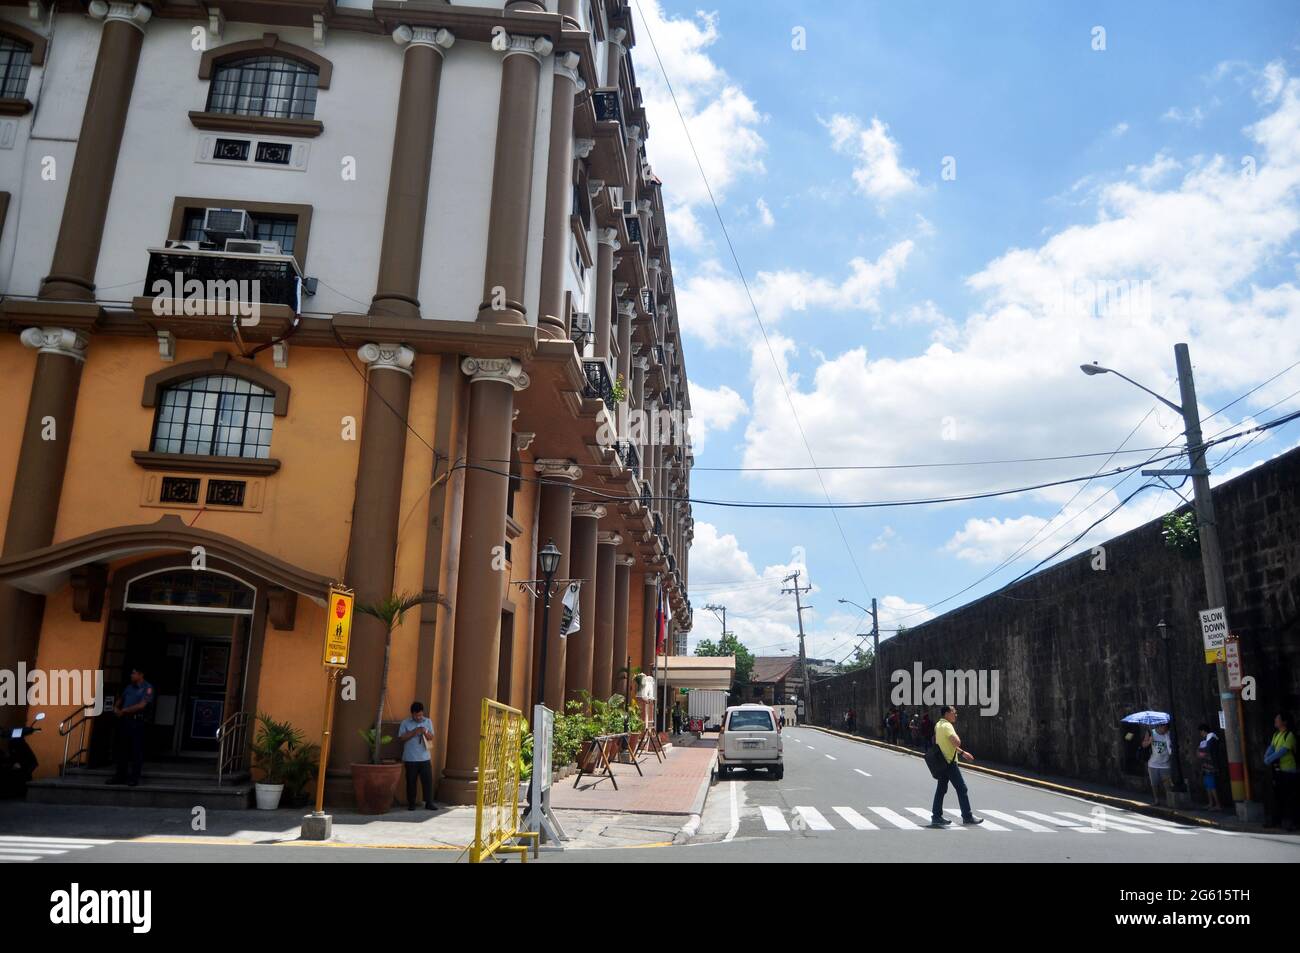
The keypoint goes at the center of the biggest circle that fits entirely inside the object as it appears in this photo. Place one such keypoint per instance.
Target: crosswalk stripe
(861, 772)
(1105, 822)
(17, 858)
(1018, 821)
(856, 820)
(922, 813)
(1124, 817)
(42, 852)
(1068, 825)
(814, 819)
(774, 819)
(810, 747)
(986, 826)
(898, 820)
(59, 841)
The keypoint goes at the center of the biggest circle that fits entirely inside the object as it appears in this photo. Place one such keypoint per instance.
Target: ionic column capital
(652, 264)
(64, 342)
(652, 579)
(436, 38)
(608, 539)
(617, 36)
(608, 236)
(387, 357)
(511, 43)
(504, 370)
(583, 147)
(626, 307)
(566, 65)
(132, 14)
(628, 561)
(643, 205)
(590, 510)
(557, 469)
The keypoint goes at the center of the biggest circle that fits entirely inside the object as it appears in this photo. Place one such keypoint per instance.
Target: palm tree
(390, 612)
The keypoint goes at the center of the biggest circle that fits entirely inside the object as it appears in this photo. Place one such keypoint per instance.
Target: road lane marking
(861, 772)
(832, 757)
(898, 820)
(29, 849)
(1068, 825)
(1172, 828)
(810, 748)
(774, 819)
(986, 826)
(1105, 822)
(814, 819)
(1019, 822)
(856, 820)
(735, 815)
(923, 814)
(68, 842)
(17, 858)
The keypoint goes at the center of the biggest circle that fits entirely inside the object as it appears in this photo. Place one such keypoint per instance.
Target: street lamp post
(1163, 628)
(548, 558)
(538, 816)
(1216, 589)
(875, 656)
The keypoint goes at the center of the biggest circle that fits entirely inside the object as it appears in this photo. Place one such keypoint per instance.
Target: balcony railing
(633, 224)
(646, 496)
(659, 354)
(672, 563)
(631, 459)
(598, 382)
(608, 105)
(217, 276)
(647, 301)
(659, 525)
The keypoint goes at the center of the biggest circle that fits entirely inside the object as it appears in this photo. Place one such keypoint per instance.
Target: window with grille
(264, 85)
(216, 416)
(266, 228)
(15, 65)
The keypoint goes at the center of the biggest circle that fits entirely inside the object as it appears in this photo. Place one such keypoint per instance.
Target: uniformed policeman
(130, 709)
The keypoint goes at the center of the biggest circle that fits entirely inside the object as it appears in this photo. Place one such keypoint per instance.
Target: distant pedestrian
(1207, 754)
(927, 728)
(892, 725)
(853, 720)
(781, 720)
(415, 733)
(914, 729)
(677, 719)
(1281, 759)
(1159, 772)
(945, 736)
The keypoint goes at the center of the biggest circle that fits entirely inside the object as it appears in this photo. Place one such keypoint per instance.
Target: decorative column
(622, 579)
(480, 585)
(397, 288)
(602, 666)
(554, 522)
(607, 244)
(615, 55)
(582, 566)
(38, 481)
(559, 197)
(649, 610)
(372, 546)
(569, 11)
(625, 309)
(512, 176)
(90, 182)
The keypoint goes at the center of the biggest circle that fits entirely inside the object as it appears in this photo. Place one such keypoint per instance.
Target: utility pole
(803, 656)
(715, 609)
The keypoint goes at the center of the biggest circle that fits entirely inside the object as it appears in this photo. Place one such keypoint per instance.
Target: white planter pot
(268, 796)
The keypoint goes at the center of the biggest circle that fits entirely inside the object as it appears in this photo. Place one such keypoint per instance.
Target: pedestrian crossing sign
(338, 627)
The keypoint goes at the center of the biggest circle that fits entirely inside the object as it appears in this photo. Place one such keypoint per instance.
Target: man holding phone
(415, 733)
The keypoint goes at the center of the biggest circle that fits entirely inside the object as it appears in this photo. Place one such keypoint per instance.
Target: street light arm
(850, 602)
(1110, 370)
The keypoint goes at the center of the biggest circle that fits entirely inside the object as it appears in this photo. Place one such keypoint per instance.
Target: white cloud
(764, 213)
(1187, 117)
(1156, 169)
(1119, 129)
(881, 542)
(713, 306)
(722, 119)
(713, 409)
(877, 172)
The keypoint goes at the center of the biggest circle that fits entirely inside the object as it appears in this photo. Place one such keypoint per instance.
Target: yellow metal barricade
(496, 808)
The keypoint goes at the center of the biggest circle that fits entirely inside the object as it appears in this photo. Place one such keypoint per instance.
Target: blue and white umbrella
(1146, 718)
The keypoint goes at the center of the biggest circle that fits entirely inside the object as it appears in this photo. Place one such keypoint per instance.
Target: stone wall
(1076, 648)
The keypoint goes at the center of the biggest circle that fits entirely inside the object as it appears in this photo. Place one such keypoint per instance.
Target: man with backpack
(949, 745)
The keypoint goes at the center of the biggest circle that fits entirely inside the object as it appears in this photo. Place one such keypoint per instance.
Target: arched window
(217, 415)
(264, 85)
(15, 66)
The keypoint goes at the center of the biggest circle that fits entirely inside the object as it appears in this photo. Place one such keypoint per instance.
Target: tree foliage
(729, 645)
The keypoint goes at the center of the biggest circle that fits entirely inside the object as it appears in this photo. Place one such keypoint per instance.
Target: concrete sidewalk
(678, 786)
(1102, 794)
(448, 828)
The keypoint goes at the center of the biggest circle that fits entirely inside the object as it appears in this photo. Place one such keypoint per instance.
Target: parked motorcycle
(17, 760)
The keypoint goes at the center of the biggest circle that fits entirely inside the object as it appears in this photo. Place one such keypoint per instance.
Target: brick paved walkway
(677, 786)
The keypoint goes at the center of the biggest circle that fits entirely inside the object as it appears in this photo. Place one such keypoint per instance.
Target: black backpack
(936, 762)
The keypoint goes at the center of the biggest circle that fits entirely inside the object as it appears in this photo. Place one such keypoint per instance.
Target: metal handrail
(79, 717)
(232, 745)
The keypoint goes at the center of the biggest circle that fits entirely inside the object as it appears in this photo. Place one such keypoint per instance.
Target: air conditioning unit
(251, 246)
(183, 246)
(582, 323)
(220, 224)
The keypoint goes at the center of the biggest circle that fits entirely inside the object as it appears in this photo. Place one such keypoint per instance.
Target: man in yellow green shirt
(945, 736)
(1281, 757)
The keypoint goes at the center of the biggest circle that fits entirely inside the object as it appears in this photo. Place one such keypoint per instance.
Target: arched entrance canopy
(48, 570)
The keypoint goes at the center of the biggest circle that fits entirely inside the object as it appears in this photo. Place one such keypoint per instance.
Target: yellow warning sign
(338, 627)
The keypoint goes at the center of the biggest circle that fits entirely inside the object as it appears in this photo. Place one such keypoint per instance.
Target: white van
(750, 738)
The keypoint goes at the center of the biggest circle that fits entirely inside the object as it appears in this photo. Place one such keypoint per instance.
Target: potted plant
(299, 772)
(273, 749)
(374, 783)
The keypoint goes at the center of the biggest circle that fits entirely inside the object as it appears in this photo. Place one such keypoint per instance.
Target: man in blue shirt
(130, 708)
(415, 733)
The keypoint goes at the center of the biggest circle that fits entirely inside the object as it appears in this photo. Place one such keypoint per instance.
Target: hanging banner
(571, 619)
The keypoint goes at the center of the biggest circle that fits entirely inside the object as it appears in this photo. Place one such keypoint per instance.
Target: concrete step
(168, 771)
(149, 793)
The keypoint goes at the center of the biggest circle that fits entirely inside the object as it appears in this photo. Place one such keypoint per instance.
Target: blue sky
(918, 318)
